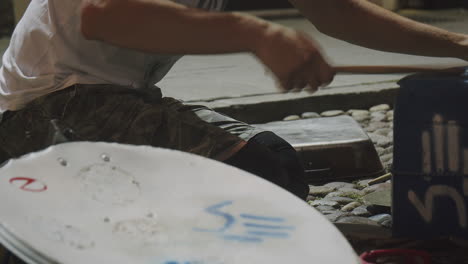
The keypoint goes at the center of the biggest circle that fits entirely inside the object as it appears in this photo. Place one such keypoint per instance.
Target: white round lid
(89, 202)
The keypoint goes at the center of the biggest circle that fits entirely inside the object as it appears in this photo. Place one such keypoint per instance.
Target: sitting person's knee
(270, 157)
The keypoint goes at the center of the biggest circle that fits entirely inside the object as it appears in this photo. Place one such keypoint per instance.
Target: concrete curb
(267, 108)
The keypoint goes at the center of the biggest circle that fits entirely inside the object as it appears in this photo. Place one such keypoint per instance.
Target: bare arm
(363, 23)
(161, 26)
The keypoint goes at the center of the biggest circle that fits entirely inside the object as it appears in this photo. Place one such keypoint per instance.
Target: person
(91, 67)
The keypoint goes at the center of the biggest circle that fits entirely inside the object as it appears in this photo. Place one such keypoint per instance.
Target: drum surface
(86, 202)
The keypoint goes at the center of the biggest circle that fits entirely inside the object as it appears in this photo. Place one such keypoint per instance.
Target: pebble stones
(325, 202)
(366, 201)
(383, 131)
(361, 118)
(377, 187)
(292, 118)
(386, 158)
(356, 220)
(380, 141)
(378, 116)
(355, 112)
(390, 115)
(348, 203)
(339, 185)
(361, 211)
(381, 218)
(350, 207)
(335, 216)
(376, 137)
(320, 191)
(388, 150)
(384, 143)
(332, 113)
(381, 107)
(345, 192)
(373, 126)
(325, 208)
(381, 197)
(308, 115)
(341, 200)
(360, 115)
(390, 135)
(384, 220)
(363, 183)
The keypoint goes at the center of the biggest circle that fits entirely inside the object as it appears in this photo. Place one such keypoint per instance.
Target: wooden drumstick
(387, 69)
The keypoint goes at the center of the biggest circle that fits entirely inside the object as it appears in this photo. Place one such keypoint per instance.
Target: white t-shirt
(47, 53)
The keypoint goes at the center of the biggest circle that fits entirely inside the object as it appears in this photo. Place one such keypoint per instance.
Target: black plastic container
(430, 183)
(438, 4)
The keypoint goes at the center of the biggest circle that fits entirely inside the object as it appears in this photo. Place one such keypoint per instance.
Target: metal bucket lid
(109, 203)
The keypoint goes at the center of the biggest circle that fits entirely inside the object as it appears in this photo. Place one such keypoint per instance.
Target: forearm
(363, 23)
(160, 26)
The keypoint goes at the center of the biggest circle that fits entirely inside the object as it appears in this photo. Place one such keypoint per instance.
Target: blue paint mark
(272, 234)
(276, 227)
(254, 233)
(263, 218)
(215, 211)
(183, 262)
(243, 238)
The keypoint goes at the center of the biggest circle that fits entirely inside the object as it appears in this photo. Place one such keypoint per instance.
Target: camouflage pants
(110, 113)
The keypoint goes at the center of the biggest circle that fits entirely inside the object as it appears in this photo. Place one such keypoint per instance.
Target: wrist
(464, 45)
(253, 31)
(462, 51)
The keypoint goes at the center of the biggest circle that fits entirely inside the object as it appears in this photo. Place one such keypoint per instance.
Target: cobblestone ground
(343, 202)
(367, 202)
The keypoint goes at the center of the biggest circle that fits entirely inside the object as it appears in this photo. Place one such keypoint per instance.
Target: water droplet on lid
(106, 219)
(105, 157)
(62, 161)
(150, 215)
